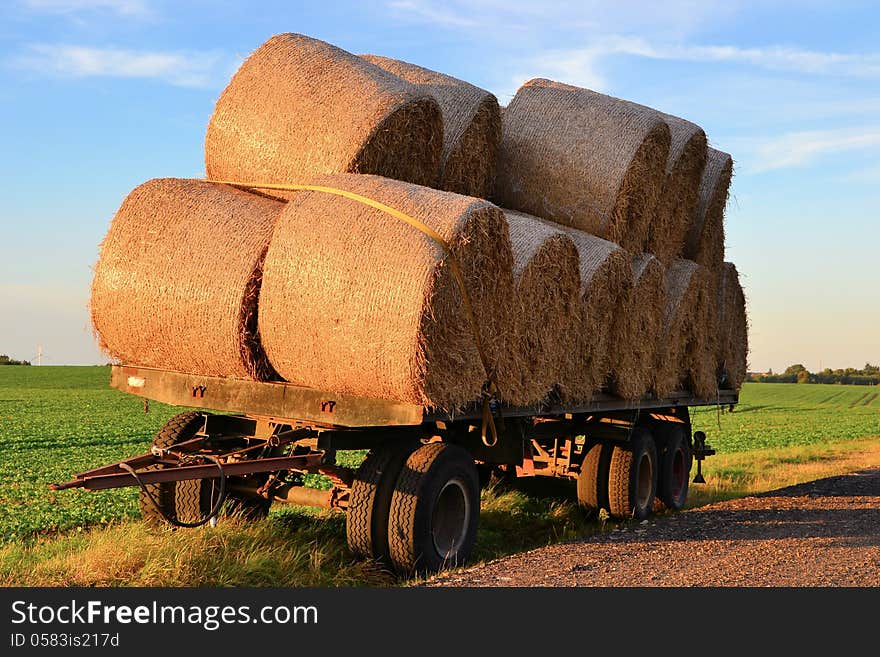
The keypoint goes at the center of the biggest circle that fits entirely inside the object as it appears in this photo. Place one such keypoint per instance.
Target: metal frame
(536, 440)
(297, 405)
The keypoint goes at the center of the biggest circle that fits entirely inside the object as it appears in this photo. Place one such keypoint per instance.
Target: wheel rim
(645, 481)
(679, 475)
(450, 518)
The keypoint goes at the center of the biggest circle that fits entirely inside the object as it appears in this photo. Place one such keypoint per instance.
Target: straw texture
(298, 107)
(582, 159)
(605, 277)
(680, 191)
(685, 352)
(704, 243)
(635, 329)
(471, 126)
(546, 309)
(359, 302)
(733, 346)
(177, 283)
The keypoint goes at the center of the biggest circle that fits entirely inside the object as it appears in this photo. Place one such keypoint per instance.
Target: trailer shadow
(844, 508)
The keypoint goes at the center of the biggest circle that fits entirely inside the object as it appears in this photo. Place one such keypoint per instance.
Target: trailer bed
(285, 401)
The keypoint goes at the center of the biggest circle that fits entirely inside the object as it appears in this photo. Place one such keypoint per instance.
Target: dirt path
(822, 533)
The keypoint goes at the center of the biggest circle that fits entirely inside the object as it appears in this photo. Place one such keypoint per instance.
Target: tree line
(6, 360)
(869, 375)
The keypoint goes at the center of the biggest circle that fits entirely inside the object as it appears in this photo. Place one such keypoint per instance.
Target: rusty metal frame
(183, 472)
(296, 405)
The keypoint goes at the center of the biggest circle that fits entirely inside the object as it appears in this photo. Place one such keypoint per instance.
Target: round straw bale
(357, 301)
(471, 126)
(685, 351)
(177, 283)
(680, 191)
(605, 275)
(636, 327)
(733, 346)
(582, 159)
(299, 107)
(704, 243)
(546, 309)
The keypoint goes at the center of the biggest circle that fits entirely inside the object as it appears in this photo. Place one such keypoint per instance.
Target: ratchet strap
(489, 430)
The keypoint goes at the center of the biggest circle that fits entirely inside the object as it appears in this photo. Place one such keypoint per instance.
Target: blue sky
(97, 96)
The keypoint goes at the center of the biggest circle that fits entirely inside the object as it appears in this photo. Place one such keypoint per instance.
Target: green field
(790, 414)
(55, 421)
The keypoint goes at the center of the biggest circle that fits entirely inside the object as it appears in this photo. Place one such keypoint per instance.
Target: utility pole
(39, 354)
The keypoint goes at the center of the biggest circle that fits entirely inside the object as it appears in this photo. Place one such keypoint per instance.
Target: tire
(632, 477)
(180, 500)
(592, 482)
(675, 466)
(435, 510)
(191, 500)
(366, 519)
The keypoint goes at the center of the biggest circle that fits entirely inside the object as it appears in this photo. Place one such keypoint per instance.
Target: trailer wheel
(592, 482)
(190, 500)
(366, 519)
(435, 509)
(181, 500)
(675, 466)
(632, 477)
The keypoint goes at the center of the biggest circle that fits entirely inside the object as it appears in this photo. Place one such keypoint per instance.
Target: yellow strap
(488, 420)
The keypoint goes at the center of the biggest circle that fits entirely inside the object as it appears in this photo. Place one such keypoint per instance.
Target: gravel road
(821, 533)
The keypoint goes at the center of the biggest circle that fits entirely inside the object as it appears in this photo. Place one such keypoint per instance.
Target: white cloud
(128, 8)
(795, 149)
(436, 15)
(193, 69)
(580, 61)
(502, 19)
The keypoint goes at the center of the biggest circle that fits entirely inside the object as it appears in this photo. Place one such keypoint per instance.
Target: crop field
(791, 414)
(55, 421)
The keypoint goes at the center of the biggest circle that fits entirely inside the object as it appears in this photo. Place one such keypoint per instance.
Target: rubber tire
(624, 475)
(192, 499)
(181, 500)
(366, 519)
(427, 472)
(675, 440)
(592, 482)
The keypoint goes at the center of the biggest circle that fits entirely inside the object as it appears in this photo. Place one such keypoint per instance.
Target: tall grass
(299, 547)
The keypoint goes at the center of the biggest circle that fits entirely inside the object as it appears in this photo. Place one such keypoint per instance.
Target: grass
(56, 421)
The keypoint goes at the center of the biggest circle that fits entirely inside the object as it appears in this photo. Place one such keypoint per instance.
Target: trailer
(414, 502)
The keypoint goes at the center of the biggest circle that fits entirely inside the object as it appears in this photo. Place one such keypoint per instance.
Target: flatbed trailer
(414, 502)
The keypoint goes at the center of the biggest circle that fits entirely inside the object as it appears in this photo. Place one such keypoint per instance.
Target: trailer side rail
(285, 401)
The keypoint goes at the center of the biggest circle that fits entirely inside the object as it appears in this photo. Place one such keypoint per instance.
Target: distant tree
(803, 376)
(6, 360)
(794, 370)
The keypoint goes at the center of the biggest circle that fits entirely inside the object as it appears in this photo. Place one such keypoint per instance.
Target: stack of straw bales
(178, 280)
(583, 159)
(546, 310)
(471, 126)
(635, 328)
(684, 350)
(358, 302)
(680, 192)
(603, 272)
(299, 107)
(605, 277)
(733, 329)
(704, 243)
